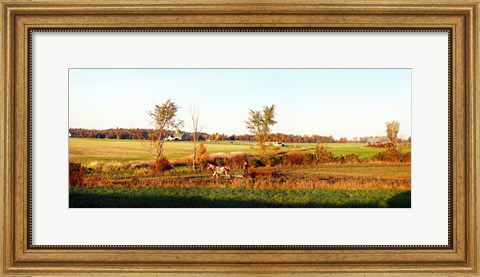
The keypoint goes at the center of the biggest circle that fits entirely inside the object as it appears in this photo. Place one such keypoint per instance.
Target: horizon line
(241, 134)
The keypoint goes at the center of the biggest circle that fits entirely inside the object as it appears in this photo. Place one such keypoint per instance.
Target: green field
(236, 198)
(83, 150)
(347, 148)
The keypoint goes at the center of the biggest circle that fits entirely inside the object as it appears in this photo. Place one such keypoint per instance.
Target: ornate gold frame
(21, 17)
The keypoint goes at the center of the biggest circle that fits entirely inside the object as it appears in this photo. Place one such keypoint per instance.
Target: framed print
(167, 138)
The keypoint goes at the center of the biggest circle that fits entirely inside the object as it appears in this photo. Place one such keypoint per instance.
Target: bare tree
(196, 128)
(259, 123)
(163, 117)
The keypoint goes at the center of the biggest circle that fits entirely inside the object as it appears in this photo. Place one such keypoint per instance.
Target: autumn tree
(392, 132)
(202, 155)
(164, 118)
(259, 124)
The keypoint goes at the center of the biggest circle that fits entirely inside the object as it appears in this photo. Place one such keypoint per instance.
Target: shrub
(349, 158)
(255, 162)
(181, 163)
(236, 161)
(353, 158)
(323, 155)
(407, 157)
(271, 160)
(392, 155)
(76, 175)
(220, 161)
(293, 159)
(309, 158)
(233, 161)
(161, 165)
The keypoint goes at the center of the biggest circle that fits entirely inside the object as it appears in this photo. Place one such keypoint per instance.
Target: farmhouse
(377, 142)
(275, 143)
(177, 137)
(72, 134)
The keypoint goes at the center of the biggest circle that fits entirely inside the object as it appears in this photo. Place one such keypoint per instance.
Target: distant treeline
(147, 134)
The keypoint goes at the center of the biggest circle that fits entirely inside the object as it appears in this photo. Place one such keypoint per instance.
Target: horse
(219, 170)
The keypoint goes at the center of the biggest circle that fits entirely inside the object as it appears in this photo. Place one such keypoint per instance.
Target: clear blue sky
(339, 102)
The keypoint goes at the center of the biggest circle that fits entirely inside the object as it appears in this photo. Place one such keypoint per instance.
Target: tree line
(148, 134)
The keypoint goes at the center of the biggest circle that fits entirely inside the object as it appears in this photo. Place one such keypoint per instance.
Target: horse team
(225, 170)
(219, 170)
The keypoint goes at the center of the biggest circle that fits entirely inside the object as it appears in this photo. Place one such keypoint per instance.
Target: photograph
(239, 137)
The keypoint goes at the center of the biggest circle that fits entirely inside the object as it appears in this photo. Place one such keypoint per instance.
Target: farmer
(245, 169)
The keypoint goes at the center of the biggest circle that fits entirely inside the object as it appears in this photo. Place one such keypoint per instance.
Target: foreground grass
(371, 170)
(108, 197)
